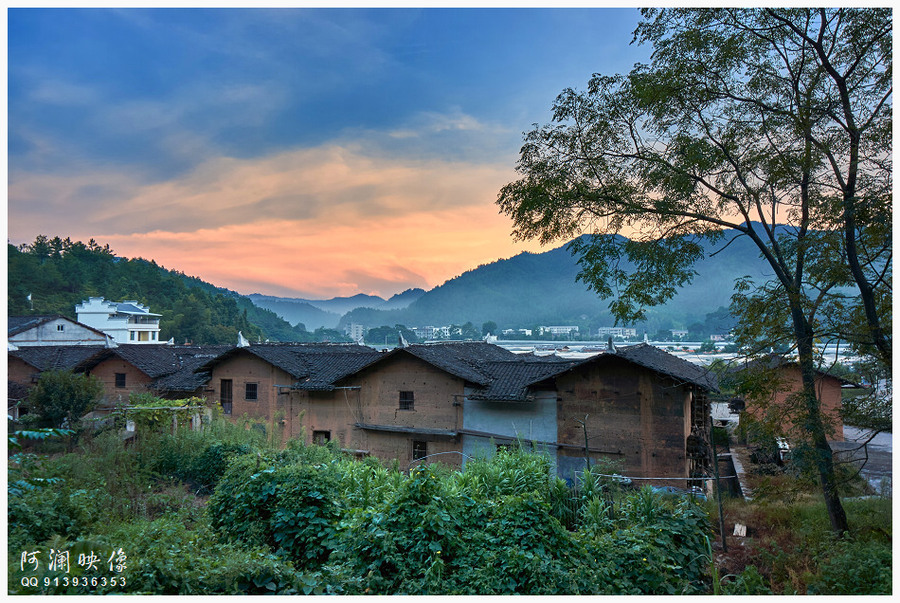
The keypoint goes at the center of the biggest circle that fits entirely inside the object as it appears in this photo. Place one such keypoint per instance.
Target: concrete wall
(532, 421)
(633, 416)
(49, 334)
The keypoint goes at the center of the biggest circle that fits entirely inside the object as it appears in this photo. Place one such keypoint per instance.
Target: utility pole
(587, 455)
(715, 464)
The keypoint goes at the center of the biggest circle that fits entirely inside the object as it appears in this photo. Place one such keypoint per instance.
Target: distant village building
(355, 331)
(522, 332)
(617, 332)
(678, 333)
(426, 333)
(559, 330)
(779, 404)
(125, 322)
(26, 331)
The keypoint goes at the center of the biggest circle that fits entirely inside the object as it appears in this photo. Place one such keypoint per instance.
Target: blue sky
(322, 151)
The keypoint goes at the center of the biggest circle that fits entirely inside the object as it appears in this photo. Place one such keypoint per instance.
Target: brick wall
(135, 379)
(785, 408)
(436, 397)
(633, 415)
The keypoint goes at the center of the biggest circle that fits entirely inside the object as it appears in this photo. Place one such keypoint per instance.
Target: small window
(321, 437)
(60, 327)
(250, 391)
(419, 450)
(132, 335)
(407, 401)
(153, 335)
(120, 380)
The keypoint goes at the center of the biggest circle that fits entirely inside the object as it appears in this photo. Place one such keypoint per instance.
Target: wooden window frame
(407, 400)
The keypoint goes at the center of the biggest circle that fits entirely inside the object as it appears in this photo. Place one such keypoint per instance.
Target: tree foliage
(774, 123)
(61, 398)
(58, 274)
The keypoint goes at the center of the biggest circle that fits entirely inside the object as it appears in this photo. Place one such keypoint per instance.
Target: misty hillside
(541, 289)
(327, 313)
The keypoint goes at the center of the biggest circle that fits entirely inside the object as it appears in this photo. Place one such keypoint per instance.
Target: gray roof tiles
(493, 372)
(57, 357)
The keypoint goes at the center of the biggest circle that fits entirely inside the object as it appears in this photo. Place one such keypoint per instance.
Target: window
(250, 391)
(120, 380)
(225, 396)
(60, 327)
(153, 335)
(419, 450)
(320, 437)
(407, 401)
(132, 335)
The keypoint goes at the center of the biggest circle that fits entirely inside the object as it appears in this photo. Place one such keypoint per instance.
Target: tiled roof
(511, 379)
(20, 324)
(467, 360)
(313, 366)
(186, 378)
(668, 364)
(17, 324)
(172, 368)
(770, 362)
(58, 357)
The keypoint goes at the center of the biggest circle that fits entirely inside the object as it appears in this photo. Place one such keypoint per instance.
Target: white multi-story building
(566, 330)
(355, 331)
(125, 322)
(617, 332)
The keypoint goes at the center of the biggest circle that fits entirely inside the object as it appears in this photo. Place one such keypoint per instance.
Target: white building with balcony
(125, 322)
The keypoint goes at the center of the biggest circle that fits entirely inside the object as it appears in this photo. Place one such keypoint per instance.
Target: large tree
(773, 123)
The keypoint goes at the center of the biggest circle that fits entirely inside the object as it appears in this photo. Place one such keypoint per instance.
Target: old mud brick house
(291, 387)
(414, 398)
(163, 370)
(448, 402)
(776, 383)
(166, 371)
(639, 405)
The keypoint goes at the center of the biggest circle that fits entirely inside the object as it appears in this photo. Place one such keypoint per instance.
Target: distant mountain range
(526, 290)
(315, 313)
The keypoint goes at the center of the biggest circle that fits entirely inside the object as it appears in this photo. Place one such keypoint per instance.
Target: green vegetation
(59, 274)
(390, 335)
(732, 120)
(61, 398)
(310, 520)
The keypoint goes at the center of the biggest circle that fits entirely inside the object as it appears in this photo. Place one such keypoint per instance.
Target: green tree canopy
(773, 122)
(61, 398)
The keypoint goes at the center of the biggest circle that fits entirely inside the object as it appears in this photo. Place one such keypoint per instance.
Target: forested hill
(541, 289)
(59, 273)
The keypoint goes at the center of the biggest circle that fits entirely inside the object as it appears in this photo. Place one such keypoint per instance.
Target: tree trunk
(815, 427)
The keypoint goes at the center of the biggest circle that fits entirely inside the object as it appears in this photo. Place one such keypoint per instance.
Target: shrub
(291, 508)
(855, 568)
(163, 557)
(61, 398)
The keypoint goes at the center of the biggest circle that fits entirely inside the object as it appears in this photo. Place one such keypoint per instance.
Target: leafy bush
(855, 568)
(61, 398)
(510, 471)
(291, 508)
(165, 557)
(748, 582)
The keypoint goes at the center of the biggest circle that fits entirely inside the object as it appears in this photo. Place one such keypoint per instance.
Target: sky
(297, 152)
